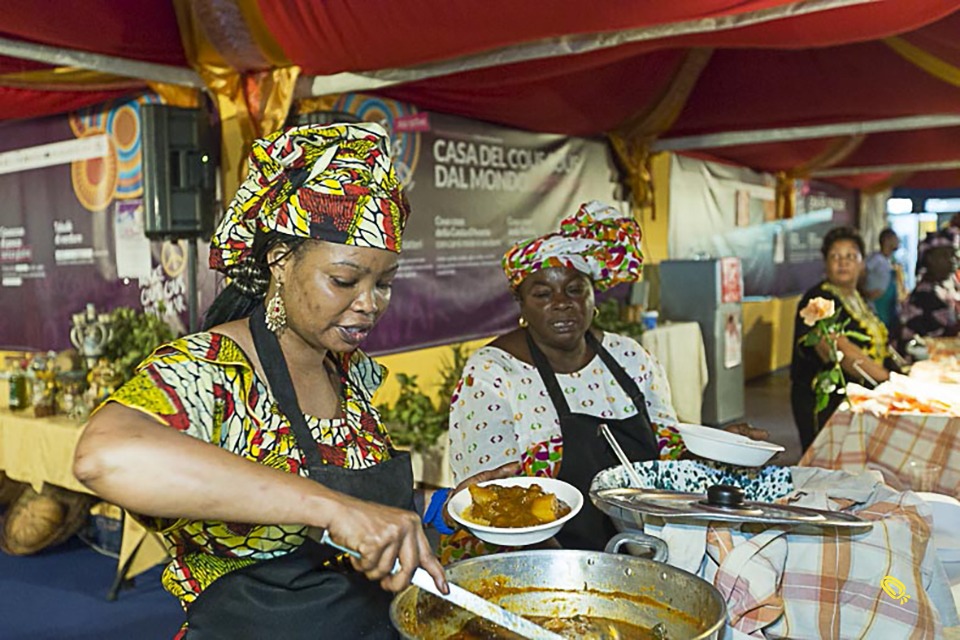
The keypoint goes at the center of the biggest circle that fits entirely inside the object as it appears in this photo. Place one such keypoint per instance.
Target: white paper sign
(733, 341)
(133, 247)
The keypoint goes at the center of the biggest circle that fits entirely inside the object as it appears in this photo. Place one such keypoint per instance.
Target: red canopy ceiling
(859, 82)
(825, 66)
(377, 34)
(138, 29)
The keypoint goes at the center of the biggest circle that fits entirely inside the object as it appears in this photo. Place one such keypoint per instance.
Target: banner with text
(475, 189)
(71, 228)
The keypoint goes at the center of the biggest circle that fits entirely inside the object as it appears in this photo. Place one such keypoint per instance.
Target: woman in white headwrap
(537, 394)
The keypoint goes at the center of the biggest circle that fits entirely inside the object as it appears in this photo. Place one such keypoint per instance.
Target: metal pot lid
(721, 502)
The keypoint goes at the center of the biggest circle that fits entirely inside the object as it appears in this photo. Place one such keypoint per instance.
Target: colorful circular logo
(95, 179)
(119, 175)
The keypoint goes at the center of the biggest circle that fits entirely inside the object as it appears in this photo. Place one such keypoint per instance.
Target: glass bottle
(19, 398)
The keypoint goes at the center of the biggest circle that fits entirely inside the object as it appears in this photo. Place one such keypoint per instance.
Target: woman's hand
(823, 351)
(509, 470)
(744, 429)
(382, 535)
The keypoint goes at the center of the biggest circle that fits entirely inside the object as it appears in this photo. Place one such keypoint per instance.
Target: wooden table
(857, 441)
(39, 451)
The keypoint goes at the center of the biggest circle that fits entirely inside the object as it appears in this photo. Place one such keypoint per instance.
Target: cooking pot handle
(660, 550)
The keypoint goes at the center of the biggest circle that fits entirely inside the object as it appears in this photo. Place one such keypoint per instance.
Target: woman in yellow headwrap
(237, 442)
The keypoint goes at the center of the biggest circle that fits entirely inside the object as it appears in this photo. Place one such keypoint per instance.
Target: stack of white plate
(946, 531)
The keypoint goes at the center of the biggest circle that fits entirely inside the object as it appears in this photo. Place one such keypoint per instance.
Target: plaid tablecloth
(800, 584)
(855, 441)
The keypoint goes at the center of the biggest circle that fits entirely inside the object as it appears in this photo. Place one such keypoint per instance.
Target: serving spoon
(466, 600)
(634, 476)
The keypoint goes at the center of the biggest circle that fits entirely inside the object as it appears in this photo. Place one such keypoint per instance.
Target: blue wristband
(434, 515)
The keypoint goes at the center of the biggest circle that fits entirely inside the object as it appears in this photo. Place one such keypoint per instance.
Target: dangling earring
(596, 313)
(522, 322)
(276, 315)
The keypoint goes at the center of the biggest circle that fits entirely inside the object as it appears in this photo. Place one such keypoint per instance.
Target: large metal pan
(565, 583)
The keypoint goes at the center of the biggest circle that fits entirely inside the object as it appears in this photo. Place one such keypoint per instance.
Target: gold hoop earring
(276, 316)
(522, 322)
(596, 313)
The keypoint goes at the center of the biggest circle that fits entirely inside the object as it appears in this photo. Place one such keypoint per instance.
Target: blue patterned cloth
(765, 484)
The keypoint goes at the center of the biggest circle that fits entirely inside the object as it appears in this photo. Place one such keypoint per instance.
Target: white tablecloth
(678, 346)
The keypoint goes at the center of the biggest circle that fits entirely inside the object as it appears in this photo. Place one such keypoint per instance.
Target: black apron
(586, 452)
(300, 596)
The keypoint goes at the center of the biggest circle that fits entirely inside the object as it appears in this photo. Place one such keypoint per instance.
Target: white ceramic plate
(723, 446)
(518, 536)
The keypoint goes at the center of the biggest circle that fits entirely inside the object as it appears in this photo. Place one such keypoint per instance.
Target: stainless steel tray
(628, 503)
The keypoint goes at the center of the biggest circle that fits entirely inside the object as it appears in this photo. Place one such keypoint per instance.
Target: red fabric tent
(774, 63)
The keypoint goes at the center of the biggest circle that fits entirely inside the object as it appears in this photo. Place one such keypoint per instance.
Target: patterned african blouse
(932, 311)
(501, 410)
(204, 386)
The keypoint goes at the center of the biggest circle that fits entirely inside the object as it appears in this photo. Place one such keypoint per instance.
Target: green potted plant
(135, 335)
(610, 319)
(415, 421)
(419, 422)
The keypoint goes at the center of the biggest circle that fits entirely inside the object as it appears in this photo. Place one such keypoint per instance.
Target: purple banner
(475, 189)
(71, 228)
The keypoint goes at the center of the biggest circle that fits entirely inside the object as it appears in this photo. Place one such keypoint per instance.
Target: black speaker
(179, 172)
(321, 118)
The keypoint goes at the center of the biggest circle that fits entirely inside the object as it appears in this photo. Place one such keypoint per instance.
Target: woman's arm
(855, 362)
(853, 359)
(132, 460)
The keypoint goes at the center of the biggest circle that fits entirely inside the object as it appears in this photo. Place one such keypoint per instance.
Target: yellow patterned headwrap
(597, 240)
(335, 183)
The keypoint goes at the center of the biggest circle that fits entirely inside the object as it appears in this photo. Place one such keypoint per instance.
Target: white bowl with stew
(518, 536)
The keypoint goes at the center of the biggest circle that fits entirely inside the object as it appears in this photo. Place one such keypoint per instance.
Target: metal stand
(193, 295)
(120, 582)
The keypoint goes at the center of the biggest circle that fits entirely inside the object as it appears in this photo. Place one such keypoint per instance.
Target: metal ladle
(659, 631)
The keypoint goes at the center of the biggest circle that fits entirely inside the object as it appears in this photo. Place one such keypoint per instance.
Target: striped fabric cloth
(781, 583)
(856, 441)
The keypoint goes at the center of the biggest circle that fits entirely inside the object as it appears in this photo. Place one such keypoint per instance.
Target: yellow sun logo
(895, 589)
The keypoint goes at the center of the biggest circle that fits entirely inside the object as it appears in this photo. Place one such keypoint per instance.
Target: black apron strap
(281, 385)
(548, 376)
(623, 379)
(626, 383)
(301, 596)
